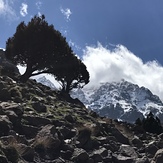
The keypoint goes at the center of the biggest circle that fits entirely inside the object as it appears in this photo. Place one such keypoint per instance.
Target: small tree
(150, 124)
(42, 49)
(37, 46)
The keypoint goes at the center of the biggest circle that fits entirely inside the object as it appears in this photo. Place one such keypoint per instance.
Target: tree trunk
(26, 75)
(67, 90)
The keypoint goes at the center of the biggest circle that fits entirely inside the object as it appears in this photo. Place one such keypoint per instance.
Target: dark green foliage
(42, 49)
(150, 124)
(71, 73)
(138, 122)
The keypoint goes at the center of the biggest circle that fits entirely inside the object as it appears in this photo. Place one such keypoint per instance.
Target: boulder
(119, 136)
(122, 159)
(158, 158)
(67, 132)
(39, 107)
(101, 151)
(151, 149)
(69, 118)
(96, 157)
(36, 120)
(29, 131)
(80, 155)
(5, 94)
(5, 125)
(3, 159)
(47, 138)
(26, 152)
(137, 142)
(128, 151)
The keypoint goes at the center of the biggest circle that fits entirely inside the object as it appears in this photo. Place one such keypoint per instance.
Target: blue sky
(115, 38)
(138, 25)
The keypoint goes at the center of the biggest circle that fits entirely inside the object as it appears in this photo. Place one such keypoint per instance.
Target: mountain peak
(121, 100)
(43, 80)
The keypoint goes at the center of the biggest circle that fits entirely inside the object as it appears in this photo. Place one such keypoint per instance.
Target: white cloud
(39, 14)
(38, 5)
(73, 44)
(66, 12)
(23, 9)
(7, 11)
(105, 65)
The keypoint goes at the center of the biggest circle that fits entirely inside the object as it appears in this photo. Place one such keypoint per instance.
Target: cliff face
(39, 125)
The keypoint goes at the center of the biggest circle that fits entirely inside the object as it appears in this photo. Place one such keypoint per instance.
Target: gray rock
(3, 159)
(26, 152)
(29, 131)
(69, 118)
(137, 142)
(18, 109)
(119, 136)
(47, 138)
(36, 120)
(151, 149)
(102, 151)
(142, 160)
(127, 150)
(96, 157)
(39, 107)
(67, 132)
(158, 158)
(5, 94)
(122, 159)
(80, 155)
(5, 125)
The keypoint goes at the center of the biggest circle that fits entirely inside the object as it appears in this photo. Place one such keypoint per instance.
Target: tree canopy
(42, 49)
(150, 124)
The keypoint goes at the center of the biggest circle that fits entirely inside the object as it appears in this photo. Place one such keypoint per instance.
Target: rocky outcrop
(38, 124)
(6, 67)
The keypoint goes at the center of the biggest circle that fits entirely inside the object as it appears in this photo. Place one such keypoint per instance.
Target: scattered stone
(122, 159)
(119, 136)
(39, 107)
(80, 155)
(5, 125)
(128, 151)
(158, 156)
(36, 120)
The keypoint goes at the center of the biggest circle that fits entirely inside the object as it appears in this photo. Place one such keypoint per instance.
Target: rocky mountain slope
(40, 125)
(121, 100)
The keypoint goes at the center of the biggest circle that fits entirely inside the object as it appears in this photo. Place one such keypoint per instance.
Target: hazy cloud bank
(106, 65)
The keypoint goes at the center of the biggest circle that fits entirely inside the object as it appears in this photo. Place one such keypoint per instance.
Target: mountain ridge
(121, 100)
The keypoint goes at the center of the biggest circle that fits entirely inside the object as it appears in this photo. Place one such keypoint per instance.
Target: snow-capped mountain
(43, 80)
(121, 100)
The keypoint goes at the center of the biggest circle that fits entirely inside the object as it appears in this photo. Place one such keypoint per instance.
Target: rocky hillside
(121, 100)
(40, 125)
